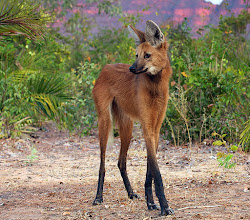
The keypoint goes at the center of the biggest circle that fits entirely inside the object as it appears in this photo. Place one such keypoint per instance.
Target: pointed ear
(138, 36)
(153, 34)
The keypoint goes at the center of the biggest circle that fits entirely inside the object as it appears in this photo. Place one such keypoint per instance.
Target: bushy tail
(111, 133)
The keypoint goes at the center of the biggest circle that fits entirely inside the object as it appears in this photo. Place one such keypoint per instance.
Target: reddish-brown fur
(132, 96)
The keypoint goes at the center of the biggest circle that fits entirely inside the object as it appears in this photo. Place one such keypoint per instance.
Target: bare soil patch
(61, 182)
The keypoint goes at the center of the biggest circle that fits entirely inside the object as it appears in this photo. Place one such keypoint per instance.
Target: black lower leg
(126, 181)
(99, 198)
(148, 190)
(159, 190)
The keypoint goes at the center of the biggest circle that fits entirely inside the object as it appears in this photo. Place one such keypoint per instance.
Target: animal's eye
(147, 55)
(136, 55)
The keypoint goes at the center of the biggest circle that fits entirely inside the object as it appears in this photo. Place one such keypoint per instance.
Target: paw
(167, 211)
(152, 206)
(97, 201)
(133, 195)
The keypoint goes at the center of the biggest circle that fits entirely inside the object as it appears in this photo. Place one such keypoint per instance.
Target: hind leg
(125, 128)
(104, 126)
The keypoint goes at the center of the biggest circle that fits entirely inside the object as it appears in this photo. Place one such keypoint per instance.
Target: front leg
(159, 189)
(152, 162)
(148, 183)
(148, 190)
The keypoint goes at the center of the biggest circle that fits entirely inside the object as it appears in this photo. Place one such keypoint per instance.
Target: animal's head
(151, 52)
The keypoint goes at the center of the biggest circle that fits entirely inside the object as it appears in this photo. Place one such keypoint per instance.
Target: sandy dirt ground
(58, 180)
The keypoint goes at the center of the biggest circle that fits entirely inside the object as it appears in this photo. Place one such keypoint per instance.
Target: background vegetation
(47, 75)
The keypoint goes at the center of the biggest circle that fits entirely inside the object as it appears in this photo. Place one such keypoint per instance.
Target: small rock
(246, 189)
(66, 213)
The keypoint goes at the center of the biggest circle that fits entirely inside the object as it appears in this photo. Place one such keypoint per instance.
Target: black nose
(132, 69)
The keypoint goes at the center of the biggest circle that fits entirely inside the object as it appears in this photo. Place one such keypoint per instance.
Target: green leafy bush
(29, 88)
(224, 159)
(112, 46)
(214, 75)
(80, 111)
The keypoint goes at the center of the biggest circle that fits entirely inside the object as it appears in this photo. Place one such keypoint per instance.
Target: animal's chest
(152, 98)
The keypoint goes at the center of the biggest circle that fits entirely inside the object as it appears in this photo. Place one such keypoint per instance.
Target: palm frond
(47, 93)
(22, 18)
(46, 104)
(245, 135)
(54, 85)
(20, 76)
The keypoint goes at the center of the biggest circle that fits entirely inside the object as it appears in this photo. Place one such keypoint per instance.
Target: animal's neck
(161, 77)
(155, 78)
(157, 85)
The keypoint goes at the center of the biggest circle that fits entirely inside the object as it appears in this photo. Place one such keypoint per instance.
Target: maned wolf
(137, 92)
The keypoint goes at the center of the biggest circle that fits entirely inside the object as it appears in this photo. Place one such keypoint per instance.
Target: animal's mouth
(142, 71)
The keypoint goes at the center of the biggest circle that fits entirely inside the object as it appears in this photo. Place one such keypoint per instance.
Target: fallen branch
(198, 207)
